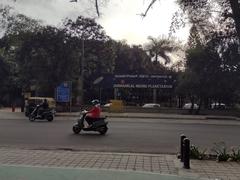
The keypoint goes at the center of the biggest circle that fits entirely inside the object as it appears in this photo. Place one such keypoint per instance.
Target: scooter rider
(94, 113)
(45, 104)
(42, 107)
(92, 117)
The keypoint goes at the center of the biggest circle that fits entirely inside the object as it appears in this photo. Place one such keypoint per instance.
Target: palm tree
(161, 47)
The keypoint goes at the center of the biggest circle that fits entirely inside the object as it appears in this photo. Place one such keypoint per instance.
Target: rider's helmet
(95, 102)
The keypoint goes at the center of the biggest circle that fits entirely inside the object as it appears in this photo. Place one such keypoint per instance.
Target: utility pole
(80, 85)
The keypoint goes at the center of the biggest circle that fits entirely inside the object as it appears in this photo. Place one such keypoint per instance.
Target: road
(124, 135)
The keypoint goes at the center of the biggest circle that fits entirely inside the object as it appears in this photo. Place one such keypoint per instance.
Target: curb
(223, 118)
(154, 117)
(135, 117)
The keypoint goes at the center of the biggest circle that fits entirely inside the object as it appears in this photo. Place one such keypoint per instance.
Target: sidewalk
(39, 173)
(45, 164)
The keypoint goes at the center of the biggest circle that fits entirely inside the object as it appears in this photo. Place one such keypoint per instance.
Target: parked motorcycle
(45, 114)
(100, 125)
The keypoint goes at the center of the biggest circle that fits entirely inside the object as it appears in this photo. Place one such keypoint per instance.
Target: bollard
(181, 146)
(186, 153)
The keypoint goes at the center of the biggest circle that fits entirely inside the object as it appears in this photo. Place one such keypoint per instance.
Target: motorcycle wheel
(50, 118)
(76, 129)
(103, 130)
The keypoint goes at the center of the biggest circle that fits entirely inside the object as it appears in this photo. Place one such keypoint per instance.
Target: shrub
(195, 153)
(221, 151)
(235, 156)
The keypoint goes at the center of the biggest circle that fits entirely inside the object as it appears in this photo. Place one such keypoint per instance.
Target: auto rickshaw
(32, 102)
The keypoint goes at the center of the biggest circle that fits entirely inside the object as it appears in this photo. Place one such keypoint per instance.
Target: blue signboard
(63, 92)
(154, 81)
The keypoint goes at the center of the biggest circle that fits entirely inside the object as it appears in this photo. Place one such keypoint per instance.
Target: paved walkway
(33, 173)
(131, 163)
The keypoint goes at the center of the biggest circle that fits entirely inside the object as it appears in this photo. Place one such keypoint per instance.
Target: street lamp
(81, 78)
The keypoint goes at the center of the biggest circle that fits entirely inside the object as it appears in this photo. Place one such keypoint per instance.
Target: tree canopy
(161, 47)
(41, 57)
(35, 55)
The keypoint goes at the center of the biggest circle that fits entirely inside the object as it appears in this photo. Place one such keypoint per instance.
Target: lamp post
(81, 78)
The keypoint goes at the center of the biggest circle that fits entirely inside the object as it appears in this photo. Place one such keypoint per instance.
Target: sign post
(63, 93)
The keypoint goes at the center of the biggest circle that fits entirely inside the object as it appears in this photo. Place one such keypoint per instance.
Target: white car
(189, 105)
(151, 105)
(218, 106)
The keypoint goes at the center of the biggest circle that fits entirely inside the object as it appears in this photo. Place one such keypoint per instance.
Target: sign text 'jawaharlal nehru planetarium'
(136, 87)
(143, 81)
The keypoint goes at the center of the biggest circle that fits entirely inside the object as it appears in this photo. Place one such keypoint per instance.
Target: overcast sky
(119, 18)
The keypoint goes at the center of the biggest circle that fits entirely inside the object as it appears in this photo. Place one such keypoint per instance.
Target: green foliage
(225, 15)
(4, 72)
(235, 156)
(44, 56)
(46, 59)
(85, 28)
(195, 153)
(212, 70)
(5, 16)
(161, 47)
(99, 50)
(21, 23)
(221, 151)
(13, 23)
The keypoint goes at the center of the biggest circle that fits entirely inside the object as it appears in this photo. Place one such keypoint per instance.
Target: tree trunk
(156, 58)
(236, 15)
(192, 106)
(200, 105)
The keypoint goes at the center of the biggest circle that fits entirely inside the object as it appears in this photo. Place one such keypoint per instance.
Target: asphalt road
(124, 135)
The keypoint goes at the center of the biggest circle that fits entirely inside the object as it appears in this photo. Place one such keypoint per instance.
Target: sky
(119, 18)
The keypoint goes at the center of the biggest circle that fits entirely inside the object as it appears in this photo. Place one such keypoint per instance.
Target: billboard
(154, 81)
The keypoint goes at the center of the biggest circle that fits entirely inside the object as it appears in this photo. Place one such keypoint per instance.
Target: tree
(85, 29)
(212, 71)
(13, 23)
(235, 15)
(47, 56)
(196, 81)
(16, 28)
(228, 12)
(228, 9)
(4, 74)
(201, 10)
(214, 28)
(46, 59)
(95, 47)
(160, 48)
(5, 17)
